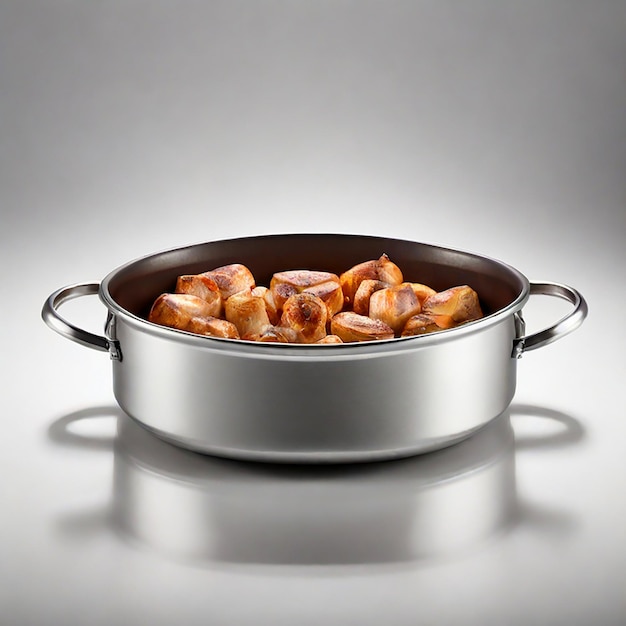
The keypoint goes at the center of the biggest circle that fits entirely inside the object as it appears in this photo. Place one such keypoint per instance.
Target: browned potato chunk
(381, 269)
(330, 339)
(270, 304)
(232, 278)
(190, 313)
(361, 304)
(423, 292)
(174, 309)
(286, 284)
(277, 334)
(204, 287)
(351, 326)
(330, 293)
(247, 312)
(216, 327)
(460, 303)
(426, 323)
(394, 306)
(307, 314)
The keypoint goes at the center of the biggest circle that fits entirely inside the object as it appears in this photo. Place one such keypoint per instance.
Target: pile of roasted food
(367, 302)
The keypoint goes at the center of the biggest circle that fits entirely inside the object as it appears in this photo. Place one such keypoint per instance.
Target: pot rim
(334, 351)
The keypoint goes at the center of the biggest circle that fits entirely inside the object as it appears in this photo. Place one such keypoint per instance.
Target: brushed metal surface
(315, 408)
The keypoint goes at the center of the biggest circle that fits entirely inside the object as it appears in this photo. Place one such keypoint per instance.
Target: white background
(129, 127)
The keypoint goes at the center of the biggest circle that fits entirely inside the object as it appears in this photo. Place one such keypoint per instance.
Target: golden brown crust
(281, 292)
(424, 323)
(307, 315)
(380, 269)
(388, 271)
(247, 312)
(276, 334)
(394, 306)
(423, 292)
(270, 304)
(215, 327)
(350, 327)
(330, 293)
(352, 278)
(361, 304)
(204, 287)
(286, 284)
(330, 339)
(460, 303)
(170, 309)
(190, 313)
(302, 278)
(232, 278)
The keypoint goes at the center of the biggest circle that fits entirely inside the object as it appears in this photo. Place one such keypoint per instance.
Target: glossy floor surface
(132, 127)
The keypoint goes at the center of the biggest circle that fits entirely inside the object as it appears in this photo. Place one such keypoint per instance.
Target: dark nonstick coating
(136, 285)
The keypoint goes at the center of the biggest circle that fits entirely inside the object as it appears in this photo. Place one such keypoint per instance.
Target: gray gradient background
(128, 127)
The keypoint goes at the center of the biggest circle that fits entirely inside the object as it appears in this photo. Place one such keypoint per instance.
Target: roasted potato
(190, 313)
(330, 339)
(330, 293)
(380, 269)
(350, 326)
(270, 304)
(423, 323)
(278, 334)
(307, 315)
(247, 312)
(232, 278)
(286, 284)
(394, 306)
(204, 287)
(361, 303)
(460, 303)
(422, 291)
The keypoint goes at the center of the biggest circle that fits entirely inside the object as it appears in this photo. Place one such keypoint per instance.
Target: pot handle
(51, 317)
(564, 326)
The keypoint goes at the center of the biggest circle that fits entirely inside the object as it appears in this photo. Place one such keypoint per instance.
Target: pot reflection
(192, 506)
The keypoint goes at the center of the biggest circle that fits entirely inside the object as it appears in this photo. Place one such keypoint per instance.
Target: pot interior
(136, 285)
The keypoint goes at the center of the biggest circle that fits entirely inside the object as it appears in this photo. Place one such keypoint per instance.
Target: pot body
(320, 407)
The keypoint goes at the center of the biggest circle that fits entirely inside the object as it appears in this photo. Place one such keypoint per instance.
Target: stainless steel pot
(321, 403)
